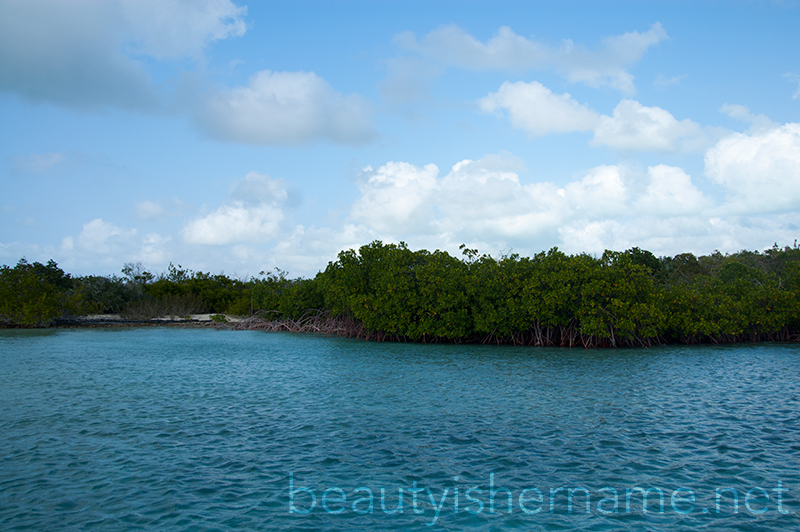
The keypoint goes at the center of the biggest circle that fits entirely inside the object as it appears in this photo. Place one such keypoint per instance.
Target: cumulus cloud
(671, 193)
(154, 249)
(104, 243)
(492, 204)
(535, 109)
(760, 171)
(91, 54)
(101, 237)
(485, 204)
(485, 201)
(601, 193)
(284, 108)
(234, 223)
(395, 196)
(605, 66)
(253, 213)
(86, 54)
(401, 198)
(635, 127)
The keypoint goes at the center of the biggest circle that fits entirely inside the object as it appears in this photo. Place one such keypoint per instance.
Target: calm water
(171, 429)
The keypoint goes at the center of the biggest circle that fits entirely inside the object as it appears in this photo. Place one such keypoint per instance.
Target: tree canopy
(621, 298)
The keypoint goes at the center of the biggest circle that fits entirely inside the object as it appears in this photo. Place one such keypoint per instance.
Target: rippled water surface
(172, 429)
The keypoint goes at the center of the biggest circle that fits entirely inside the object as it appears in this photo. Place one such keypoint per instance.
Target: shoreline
(115, 320)
(350, 328)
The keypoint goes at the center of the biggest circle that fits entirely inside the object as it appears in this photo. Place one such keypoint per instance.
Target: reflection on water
(199, 429)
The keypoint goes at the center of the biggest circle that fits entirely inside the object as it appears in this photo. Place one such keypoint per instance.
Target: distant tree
(35, 294)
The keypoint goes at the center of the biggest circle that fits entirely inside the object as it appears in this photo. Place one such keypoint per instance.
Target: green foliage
(645, 258)
(442, 300)
(553, 289)
(266, 293)
(622, 298)
(35, 294)
(219, 318)
(377, 286)
(301, 297)
(390, 291)
(212, 293)
(619, 300)
(108, 295)
(496, 289)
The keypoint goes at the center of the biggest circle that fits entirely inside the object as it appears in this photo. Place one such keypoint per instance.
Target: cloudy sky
(238, 137)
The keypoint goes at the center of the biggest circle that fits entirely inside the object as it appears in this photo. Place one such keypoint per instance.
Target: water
(172, 429)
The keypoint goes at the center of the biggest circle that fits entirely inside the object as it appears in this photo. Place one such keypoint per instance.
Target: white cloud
(476, 199)
(760, 171)
(535, 109)
(606, 66)
(235, 223)
(609, 207)
(99, 237)
(757, 123)
(102, 243)
(671, 193)
(154, 249)
(669, 236)
(252, 214)
(85, 54)
(92, 54)
(593, 237)
(481, 200)
(635, 127)
(284, 108)
(485, 200)
(394, 197)
(601, 193)
(485, 204)
(450, 45)
(171, 29)
(306, 250)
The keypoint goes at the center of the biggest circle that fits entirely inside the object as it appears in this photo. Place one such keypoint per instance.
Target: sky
(241, 137)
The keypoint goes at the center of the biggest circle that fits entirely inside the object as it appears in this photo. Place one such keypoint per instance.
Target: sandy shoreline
(115, 320)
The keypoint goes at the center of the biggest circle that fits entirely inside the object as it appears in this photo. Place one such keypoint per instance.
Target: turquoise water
(172, 429)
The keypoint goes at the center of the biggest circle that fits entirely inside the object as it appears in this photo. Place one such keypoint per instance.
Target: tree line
(393, 293)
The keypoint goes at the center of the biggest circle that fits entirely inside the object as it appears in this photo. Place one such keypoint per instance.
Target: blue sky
(239, 137)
